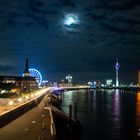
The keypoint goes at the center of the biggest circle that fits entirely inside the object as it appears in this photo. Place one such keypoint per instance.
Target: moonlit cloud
(70, 19)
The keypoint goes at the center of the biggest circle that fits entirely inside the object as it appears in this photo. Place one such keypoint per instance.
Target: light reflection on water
(111, 114)
(138, 109)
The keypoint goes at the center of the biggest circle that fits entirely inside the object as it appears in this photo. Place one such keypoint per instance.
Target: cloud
(107, 29)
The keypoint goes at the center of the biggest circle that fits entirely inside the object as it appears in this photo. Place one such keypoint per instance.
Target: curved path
(33, 125)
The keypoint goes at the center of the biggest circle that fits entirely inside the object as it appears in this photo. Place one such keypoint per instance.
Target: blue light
(35, 73)
(117, 66)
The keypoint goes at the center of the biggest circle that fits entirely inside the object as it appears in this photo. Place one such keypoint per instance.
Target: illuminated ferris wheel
(35, 73)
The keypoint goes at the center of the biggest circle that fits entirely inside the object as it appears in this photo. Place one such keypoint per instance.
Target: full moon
(71, 19)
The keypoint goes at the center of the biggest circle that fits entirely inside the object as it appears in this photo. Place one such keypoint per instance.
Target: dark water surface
(106, 114)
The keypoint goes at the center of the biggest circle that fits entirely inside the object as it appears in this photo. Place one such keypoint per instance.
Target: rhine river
(106, 114)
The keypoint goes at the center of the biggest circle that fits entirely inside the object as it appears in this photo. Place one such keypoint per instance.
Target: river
(106, 114)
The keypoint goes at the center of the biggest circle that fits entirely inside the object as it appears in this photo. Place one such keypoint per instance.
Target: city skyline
(71, 36)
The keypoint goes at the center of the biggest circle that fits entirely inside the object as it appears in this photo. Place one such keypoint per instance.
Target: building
(139, 78)
(69, 79)
(28, 83)
(97, 83)
(109, 82)
(19, 84)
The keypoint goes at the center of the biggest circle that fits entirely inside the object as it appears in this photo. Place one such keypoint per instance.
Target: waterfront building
(28, 83)
(19, 84)
(98, 83)
(109, 82)
(69, 79)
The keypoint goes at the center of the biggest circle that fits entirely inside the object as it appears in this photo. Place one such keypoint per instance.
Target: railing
(52, 125)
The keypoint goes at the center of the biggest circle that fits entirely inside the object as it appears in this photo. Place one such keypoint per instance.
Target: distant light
(45, 81)
(33, 122)
(117, 66)
(90, 83)
(94, 82)
(19, 99)
(35, 73)
(3, 91)
(102, 85)
(32, 95)
(27, 97)
(109, 82)
(11, 103)
(69, 78)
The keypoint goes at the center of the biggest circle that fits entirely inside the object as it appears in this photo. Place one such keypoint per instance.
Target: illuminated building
(33, 73)
(117, 66)
(28, 82)
(139, 78)
(109, 82)
(97, 83)
(20, 84)
(69, 79)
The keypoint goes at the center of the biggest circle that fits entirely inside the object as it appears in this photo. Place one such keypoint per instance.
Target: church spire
(26, 71)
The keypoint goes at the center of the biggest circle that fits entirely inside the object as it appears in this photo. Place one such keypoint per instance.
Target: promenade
(33, 125)
(8, 104)
(37, 123)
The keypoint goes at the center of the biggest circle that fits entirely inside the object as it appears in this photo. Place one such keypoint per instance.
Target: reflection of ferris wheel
(35, 73)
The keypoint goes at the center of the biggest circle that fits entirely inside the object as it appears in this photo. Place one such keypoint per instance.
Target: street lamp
(11, 103)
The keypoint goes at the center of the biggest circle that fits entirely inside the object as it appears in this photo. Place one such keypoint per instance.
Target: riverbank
(16, 111)
(58, 127)
(66, 128)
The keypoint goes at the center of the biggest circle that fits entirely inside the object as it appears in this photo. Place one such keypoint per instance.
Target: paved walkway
(6, 106)
(33, 125)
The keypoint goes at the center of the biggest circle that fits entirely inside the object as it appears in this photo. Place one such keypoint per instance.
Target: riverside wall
(16, 112)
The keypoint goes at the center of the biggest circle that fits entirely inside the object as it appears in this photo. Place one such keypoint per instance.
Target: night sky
(103, 31)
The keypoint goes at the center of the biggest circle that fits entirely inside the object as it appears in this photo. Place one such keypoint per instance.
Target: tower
(117, 66)
(26, 70)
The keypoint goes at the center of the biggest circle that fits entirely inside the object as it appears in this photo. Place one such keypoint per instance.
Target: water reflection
(138, 110)
(111, 114)
(116, 106)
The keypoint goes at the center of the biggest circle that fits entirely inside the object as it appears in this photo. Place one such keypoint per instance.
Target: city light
(32, 95)
(109, 82)
(27, 97)
(11, 103)
(69, 79)
(19, 99)
(35, 73)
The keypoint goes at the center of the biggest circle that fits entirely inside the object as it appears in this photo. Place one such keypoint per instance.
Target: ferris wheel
(35, 73)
